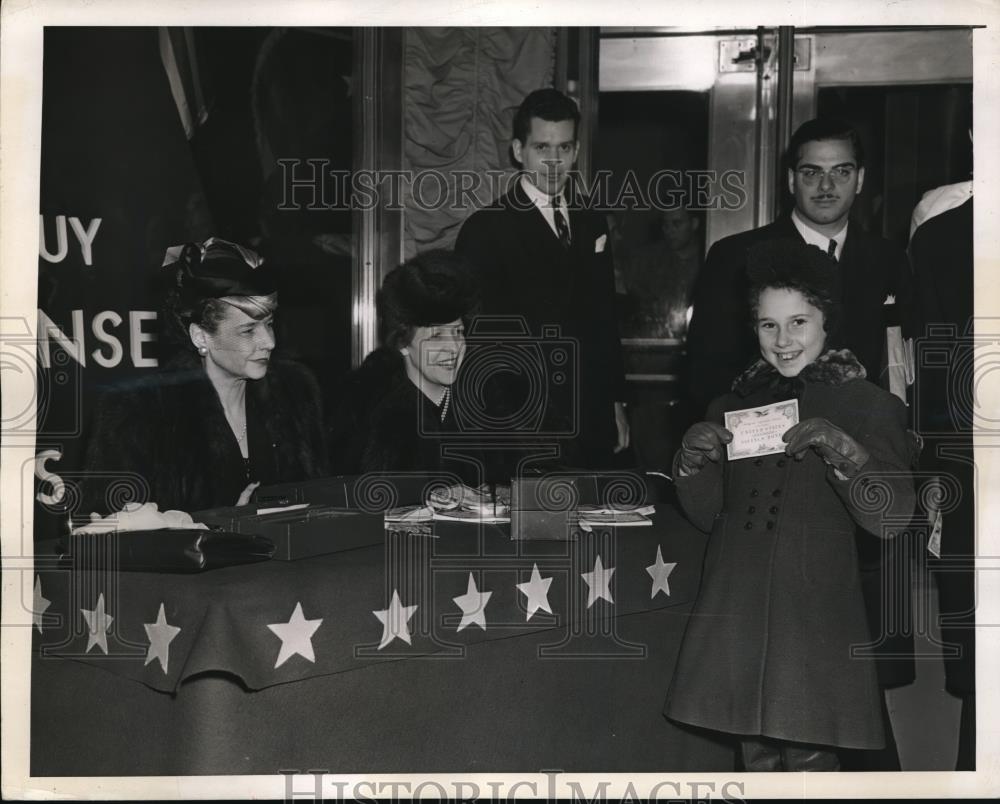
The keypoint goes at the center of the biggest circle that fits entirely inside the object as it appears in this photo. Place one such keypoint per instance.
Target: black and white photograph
(486, 400)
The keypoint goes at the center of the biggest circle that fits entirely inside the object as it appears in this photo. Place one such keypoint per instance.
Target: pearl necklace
(445, 402)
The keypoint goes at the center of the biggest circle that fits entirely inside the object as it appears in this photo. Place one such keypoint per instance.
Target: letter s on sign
(44, 475)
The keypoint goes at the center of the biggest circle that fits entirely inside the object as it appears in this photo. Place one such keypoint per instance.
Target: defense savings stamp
(758, 431)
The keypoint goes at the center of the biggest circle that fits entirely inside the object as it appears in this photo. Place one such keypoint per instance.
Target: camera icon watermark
(46, 386)
(513, 384)
(957, 374)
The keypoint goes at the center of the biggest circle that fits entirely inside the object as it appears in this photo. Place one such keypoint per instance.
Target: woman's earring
(202, 351)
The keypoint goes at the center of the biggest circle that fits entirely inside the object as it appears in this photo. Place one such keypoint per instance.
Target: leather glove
(832, 444)
(703, 442)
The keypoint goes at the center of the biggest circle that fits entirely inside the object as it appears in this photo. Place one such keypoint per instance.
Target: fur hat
(436, 287)
(795, 265)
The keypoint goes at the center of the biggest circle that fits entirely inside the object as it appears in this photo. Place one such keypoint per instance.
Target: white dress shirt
(545, 204)
(814, 238)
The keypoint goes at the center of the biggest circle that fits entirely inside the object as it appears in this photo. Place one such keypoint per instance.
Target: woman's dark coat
(165, 439)
(385, 424)
(768, 650)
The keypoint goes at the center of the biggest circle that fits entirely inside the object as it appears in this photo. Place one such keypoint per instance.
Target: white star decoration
(98, 624)
(660, 571)
(394, 621)
(296, 637)
(537, 592)
(599, 582)
(296, 634)
(473, 606)
(160, 635)
(39, 605)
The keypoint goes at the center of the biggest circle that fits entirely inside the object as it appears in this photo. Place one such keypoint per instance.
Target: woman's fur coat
(164, 439)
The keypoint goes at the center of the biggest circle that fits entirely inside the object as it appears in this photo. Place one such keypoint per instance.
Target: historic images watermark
(317, 785)
(313, 185)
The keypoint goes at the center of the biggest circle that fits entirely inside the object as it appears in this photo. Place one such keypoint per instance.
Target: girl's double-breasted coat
(776, 645)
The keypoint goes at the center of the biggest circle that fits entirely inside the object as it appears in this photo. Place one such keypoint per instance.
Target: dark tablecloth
(578, 689)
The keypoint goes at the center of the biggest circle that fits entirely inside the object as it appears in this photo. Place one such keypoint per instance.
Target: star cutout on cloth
(98, 624)
(473, 606)
(599, 582)
(160, 634)
(296, 637)
(660, 571)
(39, 605)
(394, 621)
(537, 592)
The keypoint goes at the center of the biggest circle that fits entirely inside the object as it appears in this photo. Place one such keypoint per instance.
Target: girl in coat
(775, 649)
(224, 414)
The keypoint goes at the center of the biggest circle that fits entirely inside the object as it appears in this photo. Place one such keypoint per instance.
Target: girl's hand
(703, 442)
(832, 444)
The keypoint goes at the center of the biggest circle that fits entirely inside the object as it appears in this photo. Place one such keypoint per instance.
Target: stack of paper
(459, 503)
(409, 514)
(591, 516)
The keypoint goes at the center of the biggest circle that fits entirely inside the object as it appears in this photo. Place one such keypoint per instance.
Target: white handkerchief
(600, 243)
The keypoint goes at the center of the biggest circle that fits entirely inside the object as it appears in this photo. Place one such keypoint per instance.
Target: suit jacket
(944, 272)
(525, 271)
(721, 341)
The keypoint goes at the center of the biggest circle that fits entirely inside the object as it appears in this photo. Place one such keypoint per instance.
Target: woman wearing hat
(398, 406)
(225, 414)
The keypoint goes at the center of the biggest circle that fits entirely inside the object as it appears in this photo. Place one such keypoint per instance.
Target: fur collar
(168, 429)
(834, 367)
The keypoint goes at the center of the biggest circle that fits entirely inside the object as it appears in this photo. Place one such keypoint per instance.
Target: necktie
(562, 228)
(831, 250)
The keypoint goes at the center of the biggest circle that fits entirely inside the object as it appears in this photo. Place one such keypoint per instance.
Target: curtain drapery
(461, 88)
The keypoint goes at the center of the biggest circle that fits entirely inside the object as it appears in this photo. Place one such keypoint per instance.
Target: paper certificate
(758, 431)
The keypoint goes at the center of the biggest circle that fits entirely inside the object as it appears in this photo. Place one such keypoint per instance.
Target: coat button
(776, 493)
(781, 462)
(773, 509)
(754, 492)
(758, 462)
(770, 526)
(752, 509)
(748, 526)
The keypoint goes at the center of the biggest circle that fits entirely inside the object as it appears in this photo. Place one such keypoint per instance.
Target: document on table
(758, 431)
(591, 516)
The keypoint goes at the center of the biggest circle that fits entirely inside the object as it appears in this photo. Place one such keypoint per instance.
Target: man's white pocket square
(600, 243)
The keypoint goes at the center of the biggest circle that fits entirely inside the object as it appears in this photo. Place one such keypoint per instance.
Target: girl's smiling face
(789, 330)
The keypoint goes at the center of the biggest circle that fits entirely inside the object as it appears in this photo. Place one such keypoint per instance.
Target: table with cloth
(414, 654)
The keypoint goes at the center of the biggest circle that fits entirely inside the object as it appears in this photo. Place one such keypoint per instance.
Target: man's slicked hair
(545, 104)
(824, 128)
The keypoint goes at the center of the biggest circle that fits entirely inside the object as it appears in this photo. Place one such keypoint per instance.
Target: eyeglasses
(838, 175)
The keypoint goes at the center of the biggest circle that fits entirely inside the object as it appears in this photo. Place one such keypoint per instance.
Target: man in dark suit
(944, 273)
(825, 174)
(544, 259)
